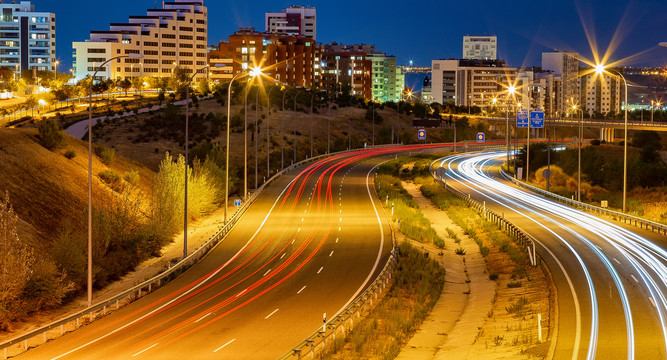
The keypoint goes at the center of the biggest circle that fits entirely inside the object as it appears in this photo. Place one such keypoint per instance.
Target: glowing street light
(663, 44)
(599, 70)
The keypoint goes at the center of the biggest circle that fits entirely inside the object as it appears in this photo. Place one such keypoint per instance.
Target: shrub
(460, 251)
(112, 179)
(51, 134)
(514, 284)
(493, 277)
(106, 155)
(132, 177)
(70, 154)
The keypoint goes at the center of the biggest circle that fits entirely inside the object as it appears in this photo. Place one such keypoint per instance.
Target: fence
(661, 229)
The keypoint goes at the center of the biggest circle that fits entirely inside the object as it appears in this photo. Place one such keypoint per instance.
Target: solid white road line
(220, 348)
(299, 292)
(207, 315)
(268, 316)
(144, 350)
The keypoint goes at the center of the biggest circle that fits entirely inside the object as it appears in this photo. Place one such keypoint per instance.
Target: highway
(611, 280)
(313, 241)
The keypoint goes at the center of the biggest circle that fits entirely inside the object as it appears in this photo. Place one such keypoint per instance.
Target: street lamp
(90, 172)
(282, 132)
(581, 119)
(187, 142)
(55, 71)
(268, 133)
(600, 69)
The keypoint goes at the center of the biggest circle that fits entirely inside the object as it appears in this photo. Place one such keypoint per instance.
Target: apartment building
(287, 59)
(299, 21)
(480, 47)
(601, 94)
(388, 79)
(170, 36)
(27, 37)
(348, 65)
(469, 82)
(565, 66)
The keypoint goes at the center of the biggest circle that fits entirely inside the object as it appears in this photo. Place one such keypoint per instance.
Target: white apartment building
(480, 47)
(468, 82)
(27, 37)
(388, 79)
(293, 21)
(600, 94)
(564, 65)
(174, 35)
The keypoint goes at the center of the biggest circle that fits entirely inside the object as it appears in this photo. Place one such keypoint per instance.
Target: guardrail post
(44, 336)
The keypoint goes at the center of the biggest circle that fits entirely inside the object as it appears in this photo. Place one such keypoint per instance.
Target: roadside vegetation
(415, 289)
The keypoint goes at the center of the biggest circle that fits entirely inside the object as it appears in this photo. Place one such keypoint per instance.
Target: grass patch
(415, 289)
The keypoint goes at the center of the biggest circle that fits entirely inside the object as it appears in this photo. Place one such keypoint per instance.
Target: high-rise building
(28, 38)
(388, 79)
(600, 94)
(565, 66)
(348, 65)
(174, 35)
(293, 21)
(469, 82)
(288, 59)
(480, 47)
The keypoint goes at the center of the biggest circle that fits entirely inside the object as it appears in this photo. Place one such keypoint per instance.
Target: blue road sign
(481, 137)
(421, 134)
(537, 119)
(522, 119)
(237, 202)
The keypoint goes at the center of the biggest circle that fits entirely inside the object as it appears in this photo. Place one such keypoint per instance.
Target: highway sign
(421, 134)
(537, 119)
(480, 137)
(237, 202)
(522, 118)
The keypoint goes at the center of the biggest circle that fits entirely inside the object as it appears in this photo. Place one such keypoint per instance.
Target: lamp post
(187, 142)
(294, 126)
(282, 133)
(268, 133)
(55, 71)
(229, 117)
(312, 98)
(90, 173)
(581, 119)
(256, 135)
(600, 69)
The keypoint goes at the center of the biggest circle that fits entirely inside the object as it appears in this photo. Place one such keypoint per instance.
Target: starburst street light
(663, 44)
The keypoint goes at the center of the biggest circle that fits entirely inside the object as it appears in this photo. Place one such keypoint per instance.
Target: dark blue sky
(418, 30)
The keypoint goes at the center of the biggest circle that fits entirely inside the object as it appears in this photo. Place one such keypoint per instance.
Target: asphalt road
(611, 280)
(308, 246)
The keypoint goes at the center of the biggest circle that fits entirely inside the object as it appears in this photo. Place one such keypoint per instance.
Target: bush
(493, 277)
(132, 177)
(51, 134)
(514, 284)
(70, 154)
(460, 251)
(106, 155)
(112, 179)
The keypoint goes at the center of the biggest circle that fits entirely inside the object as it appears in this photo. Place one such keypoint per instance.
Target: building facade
(480, 47)
(565, 66)
(27, 38)
(287, 59)
(469, 82)
(348, 66)
(388, 79)
(299, 21)
(600, 94)
(174, 35)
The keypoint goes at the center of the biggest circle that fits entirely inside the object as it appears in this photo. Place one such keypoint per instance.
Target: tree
(51, 134)
(203, 86)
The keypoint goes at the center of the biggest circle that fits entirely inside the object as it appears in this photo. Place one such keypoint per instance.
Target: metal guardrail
(72, 322)
(661, 229)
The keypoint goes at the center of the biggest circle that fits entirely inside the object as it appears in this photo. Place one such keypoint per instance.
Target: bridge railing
(656, 227)
(34, 338)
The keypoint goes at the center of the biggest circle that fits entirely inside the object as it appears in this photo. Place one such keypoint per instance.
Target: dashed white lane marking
(144, 350)
(320, 270)
(339, 228)
(341, 211)
(267, 273)
(282, 256)
(220, 348)
(293, 240)
(634, 278)
(268, 316)
(652, 302)
(305, 211)
(336, 240)
(341, 219)
(242, 292)
(205, 316)
(330, 255)
(299, 292)
(618, 262)
(302, 219)
(299, 230)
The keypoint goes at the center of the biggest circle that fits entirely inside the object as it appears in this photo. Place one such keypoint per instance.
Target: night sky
(419, 30)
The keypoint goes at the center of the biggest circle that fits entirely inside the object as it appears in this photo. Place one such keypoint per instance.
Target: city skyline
(420, 41)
